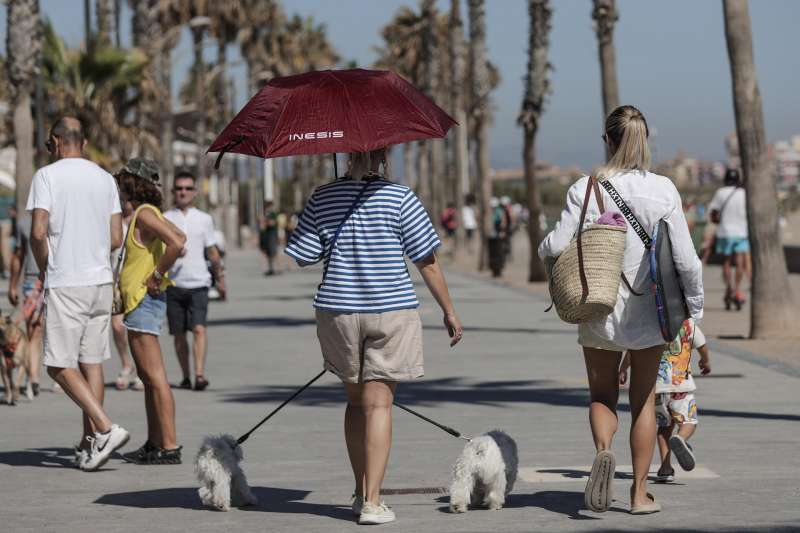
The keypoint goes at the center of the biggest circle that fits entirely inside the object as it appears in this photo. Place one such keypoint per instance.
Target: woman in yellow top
(152, 245)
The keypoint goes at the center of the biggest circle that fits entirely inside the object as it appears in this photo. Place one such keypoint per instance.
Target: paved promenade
(517, 368)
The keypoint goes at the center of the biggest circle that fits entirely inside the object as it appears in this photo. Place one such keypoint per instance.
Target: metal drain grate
(418, 490)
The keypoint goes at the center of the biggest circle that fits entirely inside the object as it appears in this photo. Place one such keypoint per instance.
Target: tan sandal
(599, 494)
(648, 508)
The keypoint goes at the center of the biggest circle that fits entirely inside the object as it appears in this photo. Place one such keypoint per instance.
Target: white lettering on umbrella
(316, 135)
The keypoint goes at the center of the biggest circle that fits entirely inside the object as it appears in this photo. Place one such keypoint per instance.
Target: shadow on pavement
(459, 390)
(271, 500)
(282, 322)
(43, 457)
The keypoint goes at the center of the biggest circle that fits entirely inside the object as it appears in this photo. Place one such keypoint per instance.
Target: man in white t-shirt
(728, 208)
(187, 300)
(76, 222)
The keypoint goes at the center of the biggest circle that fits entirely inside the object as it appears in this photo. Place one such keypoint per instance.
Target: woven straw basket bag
(585, 279)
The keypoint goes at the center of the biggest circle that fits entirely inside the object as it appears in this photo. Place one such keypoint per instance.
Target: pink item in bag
(612, 218)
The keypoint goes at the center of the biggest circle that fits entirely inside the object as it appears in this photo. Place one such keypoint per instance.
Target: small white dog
(222, 481)
(485, 472)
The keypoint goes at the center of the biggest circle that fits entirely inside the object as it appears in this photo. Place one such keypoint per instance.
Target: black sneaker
(136, 457)
(186, 384)
(168, 457)
(35, 387)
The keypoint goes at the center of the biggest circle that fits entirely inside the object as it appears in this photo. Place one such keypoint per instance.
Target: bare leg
(93, 373)
(159, 403)
(686, 431)
(199, 350)
(740, 270)
(182, 350)
(354, 434)
(663, 448)
(35, 345)
(376, 402)
(644, 369)
(121, 341)
(727, 273)
(78, 389)
(602, 369)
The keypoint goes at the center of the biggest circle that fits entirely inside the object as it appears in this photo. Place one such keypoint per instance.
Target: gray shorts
(77, 325)
(360, 347)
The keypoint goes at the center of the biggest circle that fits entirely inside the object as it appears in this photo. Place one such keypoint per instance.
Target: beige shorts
(77, 325)
(361, 347)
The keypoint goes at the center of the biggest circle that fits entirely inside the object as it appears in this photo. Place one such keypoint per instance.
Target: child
(675, 404)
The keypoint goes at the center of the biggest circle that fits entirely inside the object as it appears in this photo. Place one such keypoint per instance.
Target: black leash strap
(626, 211)
(244, 437)
(447, 429)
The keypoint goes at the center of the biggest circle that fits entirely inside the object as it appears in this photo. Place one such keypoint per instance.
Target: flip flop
(598, 493)
(682, 451)
(648, 508)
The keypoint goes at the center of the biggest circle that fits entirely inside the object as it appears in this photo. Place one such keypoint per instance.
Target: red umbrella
(332, 111)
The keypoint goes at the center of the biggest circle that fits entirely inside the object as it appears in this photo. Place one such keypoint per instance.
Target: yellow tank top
(140, 262)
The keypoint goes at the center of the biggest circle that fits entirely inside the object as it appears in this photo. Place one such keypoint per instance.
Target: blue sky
(671, 61)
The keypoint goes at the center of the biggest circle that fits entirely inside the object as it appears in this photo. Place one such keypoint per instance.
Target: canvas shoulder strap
(627, 213)
(339, 229)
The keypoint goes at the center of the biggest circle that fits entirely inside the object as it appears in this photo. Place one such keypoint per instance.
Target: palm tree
(537, 86)
(105, 11)
(23, 46)
(774, 309)
(480, 88)
(604, 15)
(460, 150)
(102, 85)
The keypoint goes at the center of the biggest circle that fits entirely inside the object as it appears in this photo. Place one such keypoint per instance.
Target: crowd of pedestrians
(362, 228)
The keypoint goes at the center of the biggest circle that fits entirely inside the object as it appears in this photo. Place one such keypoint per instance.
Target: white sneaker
(358, 504)
(103, 445)
(80, 456)
(372, 514)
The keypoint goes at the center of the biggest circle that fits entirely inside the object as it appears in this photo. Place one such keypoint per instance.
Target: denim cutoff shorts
(148, 315)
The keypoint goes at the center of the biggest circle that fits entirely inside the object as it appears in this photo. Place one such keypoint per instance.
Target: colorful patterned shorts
(675, 407)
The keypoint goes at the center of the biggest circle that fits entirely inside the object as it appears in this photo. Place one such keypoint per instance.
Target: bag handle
(121, 255)
(339, 230)
(581, 270)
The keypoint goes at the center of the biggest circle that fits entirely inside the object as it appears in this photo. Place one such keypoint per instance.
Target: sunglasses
(184, 189)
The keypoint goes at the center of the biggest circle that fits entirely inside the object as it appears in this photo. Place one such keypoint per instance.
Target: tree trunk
(605, 16)
(199, 112)
(423, 175)
(537, 87)
(166, 121)
(104, 11)
(459, 135)
(87, 22)
(481, 86)
(23, 143)
(773, 308)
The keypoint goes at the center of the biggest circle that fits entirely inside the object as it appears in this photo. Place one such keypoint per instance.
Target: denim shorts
(148, 315)
(732, 245)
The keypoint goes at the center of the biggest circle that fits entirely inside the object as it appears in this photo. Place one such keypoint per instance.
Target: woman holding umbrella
(368, 326)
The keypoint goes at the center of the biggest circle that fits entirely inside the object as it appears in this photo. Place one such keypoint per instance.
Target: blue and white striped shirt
(367, 271)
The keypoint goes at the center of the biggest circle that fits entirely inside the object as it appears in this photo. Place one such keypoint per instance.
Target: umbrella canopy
(332, 111)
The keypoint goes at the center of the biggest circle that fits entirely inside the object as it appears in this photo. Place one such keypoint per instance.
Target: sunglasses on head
(184, 188)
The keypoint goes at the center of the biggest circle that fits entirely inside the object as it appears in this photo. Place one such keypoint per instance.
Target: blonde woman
(633, 325)
(368, 326)
(152, 245)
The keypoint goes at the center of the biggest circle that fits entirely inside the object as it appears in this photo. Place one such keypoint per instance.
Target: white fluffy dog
(222, 481)
(485, 472)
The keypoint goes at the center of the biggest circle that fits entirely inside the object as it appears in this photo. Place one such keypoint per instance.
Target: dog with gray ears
(485, 472)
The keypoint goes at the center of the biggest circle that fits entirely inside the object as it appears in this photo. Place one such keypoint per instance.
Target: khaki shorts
(361, 347)
(77, 325)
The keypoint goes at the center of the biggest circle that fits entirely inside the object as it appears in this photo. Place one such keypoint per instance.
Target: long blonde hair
(627, 132)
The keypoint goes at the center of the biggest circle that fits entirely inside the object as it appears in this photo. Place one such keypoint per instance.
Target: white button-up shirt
(191, 270)
(634, 322)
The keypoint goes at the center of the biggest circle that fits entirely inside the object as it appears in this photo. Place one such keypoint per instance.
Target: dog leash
(244, 437)
(444, 428)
